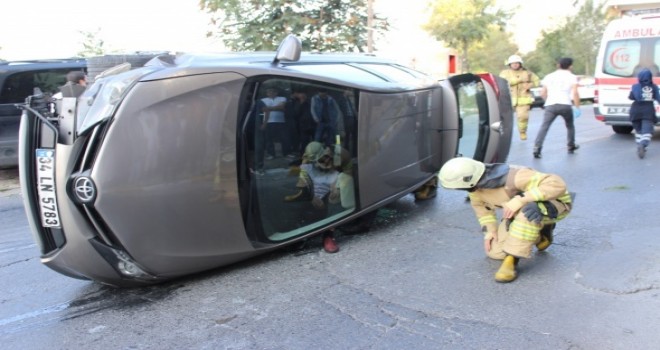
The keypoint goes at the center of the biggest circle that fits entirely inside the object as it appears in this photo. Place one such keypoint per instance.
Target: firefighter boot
(546, 237)
(507, 272)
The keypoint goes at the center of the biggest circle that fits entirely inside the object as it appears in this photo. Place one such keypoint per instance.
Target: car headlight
(100, 101)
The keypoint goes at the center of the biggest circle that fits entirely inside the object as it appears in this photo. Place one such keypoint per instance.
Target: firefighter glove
(550, 209)
(532, 212)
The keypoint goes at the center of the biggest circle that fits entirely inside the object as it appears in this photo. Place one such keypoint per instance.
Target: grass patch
(617, 188)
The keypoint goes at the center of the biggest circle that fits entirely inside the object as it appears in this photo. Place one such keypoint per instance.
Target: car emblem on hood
(84, 189)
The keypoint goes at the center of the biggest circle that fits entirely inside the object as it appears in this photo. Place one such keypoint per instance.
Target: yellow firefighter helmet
(461, 173)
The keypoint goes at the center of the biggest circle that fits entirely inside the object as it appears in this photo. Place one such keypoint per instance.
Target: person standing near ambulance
(521, 80)
(642, 112)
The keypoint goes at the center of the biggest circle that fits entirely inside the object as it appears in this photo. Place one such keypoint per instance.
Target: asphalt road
(417, 280)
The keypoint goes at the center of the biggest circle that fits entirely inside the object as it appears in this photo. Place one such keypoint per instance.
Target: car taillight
(490, 78)
(596, 95)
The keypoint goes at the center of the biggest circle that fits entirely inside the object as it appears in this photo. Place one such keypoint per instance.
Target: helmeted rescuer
(321, 180)
(531, 202)
(521, 80)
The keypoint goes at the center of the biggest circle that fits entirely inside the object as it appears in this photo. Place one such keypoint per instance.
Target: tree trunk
(465, 65)
(370, 26)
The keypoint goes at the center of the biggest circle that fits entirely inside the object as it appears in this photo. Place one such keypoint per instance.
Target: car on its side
(18, 79)
(160, 171)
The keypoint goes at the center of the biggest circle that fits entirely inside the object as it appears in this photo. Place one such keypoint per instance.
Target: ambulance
(629, 44)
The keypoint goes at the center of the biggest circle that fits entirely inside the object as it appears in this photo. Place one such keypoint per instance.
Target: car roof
(32, 65)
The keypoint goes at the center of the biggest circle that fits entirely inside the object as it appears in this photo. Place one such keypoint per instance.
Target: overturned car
(174, 168)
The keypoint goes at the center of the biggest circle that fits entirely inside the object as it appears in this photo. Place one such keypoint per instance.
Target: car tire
(622, 129)
(96, 65)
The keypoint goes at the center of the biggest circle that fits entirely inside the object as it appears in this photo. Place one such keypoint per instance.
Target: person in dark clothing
(642, 111)
(259, 136)
(348, 109)
(326, 113)
(292, 122)
(302, 115)
(75, 85)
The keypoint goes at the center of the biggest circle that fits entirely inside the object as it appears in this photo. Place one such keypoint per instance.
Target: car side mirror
(289, 49)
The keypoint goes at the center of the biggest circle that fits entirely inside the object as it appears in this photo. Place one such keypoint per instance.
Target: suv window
(280, 131)
(625, 58)
(20, 85)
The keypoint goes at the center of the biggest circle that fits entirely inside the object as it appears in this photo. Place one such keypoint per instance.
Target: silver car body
(163, 184)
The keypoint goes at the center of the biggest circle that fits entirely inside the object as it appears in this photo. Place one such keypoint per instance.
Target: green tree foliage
(578, 37)
(461, 23)
(549, 49)
(490, 54)
(92, 44)
(323, 25)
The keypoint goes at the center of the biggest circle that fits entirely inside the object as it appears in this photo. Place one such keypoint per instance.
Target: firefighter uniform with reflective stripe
(520, 82)
(513, 187)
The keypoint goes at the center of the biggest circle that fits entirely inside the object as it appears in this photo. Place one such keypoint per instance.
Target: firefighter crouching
(531, 202)
(520, 81)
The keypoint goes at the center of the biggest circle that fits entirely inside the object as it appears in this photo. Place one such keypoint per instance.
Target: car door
(477, 118)
(297, 175)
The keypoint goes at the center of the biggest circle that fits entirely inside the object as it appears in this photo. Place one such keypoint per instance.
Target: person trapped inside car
(321, 183)
(561, 99)
(642, 111)
(521, 80)
(531, 202)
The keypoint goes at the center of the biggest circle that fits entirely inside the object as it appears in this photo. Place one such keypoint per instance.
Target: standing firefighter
(531, 202)
(520, 81)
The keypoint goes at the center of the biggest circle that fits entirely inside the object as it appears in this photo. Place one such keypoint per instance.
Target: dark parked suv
(17, 81)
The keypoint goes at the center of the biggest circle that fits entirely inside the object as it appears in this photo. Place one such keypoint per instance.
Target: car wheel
(622, 129)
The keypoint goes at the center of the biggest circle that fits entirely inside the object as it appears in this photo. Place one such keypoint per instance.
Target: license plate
(618, 110)
(46, 188)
